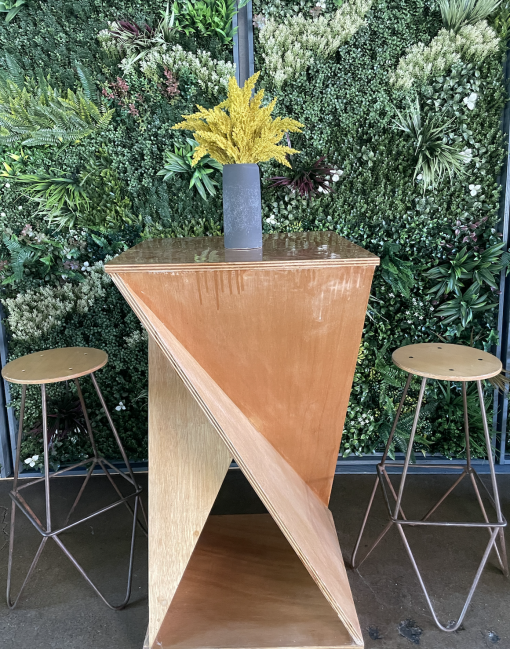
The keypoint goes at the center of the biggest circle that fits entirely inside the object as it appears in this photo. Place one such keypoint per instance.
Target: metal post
(503, 348)
(243, 43)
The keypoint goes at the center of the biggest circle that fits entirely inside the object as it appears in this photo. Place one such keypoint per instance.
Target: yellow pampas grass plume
(239, 130)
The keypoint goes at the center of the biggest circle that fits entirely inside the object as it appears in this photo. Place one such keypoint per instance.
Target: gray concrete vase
(242, 211)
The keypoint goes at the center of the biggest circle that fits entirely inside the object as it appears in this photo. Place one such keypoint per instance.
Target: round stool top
(447, 362)
(54, 365)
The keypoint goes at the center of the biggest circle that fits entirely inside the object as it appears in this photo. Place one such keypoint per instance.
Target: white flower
(335, 178)
(85, 265)
(474, 189)
(2, 213)
(7, 185)
(471, 100)
(467, 154)
(121, 406)
(419, 176)
(20, 207)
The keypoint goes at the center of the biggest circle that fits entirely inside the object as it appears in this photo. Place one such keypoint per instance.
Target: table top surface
(309, 249)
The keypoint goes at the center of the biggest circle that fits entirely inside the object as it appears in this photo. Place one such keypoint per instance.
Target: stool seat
(54, 365)
(446, 362)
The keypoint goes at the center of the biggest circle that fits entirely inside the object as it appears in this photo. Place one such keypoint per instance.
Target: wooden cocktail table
(251, 357)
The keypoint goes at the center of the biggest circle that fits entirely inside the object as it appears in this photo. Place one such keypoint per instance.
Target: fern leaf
(87, 83)
(16, 74)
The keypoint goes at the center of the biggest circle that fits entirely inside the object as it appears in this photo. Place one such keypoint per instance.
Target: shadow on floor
(60, 611)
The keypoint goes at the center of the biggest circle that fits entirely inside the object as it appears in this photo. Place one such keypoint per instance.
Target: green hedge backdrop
(350, 72)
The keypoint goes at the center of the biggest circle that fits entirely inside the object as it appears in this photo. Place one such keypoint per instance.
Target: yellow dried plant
(239, 130)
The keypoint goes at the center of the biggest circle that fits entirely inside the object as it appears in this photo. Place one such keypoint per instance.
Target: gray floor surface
(59, 610)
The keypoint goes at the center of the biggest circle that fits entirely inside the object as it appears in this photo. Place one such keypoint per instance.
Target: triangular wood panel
(303, 518)
(280, 336)
(245, 588)
(188, 462)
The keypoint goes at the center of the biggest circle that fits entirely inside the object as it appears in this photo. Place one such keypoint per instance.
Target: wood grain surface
(54, 365)
(279, 250)
(301, 515)
(244, 587)
(282, 344)
(447, 362)
(187, 464)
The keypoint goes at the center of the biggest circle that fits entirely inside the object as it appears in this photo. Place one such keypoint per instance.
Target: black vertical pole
(7, 416)
(243, 44)
(503, 347)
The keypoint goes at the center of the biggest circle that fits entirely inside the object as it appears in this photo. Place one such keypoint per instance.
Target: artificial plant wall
(401, 154)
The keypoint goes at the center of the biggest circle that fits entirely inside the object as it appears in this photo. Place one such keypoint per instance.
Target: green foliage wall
(54, 291)
(348, 102)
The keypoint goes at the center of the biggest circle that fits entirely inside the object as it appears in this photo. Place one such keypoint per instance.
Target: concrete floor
(60, 611)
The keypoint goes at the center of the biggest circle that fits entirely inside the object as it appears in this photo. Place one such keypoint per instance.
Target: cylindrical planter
(242, 210)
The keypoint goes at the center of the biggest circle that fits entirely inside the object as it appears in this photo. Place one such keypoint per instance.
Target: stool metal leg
(46, 459)
(117, 438)
(47, 531)
(376, 483)
(11, 604)
(119, 607)
(119, 443)
(493, 479)
(494, 529)
(472, 472)
(410, 447)
(35, 560)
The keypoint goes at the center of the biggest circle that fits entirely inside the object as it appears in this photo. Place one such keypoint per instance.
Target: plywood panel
(282, 344)
(187, 465)
(300, 514)
(278, 331)
(244, 587)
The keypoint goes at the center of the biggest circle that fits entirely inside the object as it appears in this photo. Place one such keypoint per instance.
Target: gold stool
(53, 366)
(445, 363)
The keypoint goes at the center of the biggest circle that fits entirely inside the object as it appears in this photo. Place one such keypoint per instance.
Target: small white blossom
(2, 213)
(474, 189)
(20, 207)
(121, 406)
(85, 265)
(467, 154)
(471, 100)
(7, 185)
(335, 178)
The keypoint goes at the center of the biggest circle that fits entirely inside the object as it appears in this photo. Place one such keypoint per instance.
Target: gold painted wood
(447, 362)
(188, 462)
(242, 572)
(54, 365)
(306, 522)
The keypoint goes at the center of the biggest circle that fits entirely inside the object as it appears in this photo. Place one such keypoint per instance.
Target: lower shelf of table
(245, 588)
